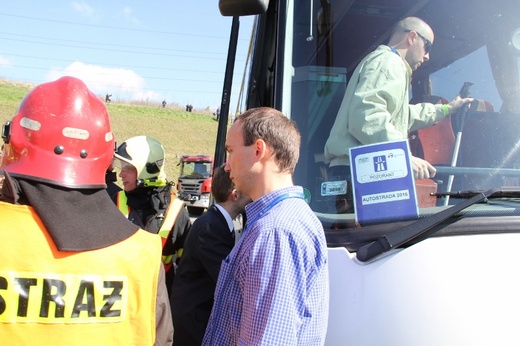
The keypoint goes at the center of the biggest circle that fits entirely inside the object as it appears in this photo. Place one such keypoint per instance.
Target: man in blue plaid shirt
(273, 288)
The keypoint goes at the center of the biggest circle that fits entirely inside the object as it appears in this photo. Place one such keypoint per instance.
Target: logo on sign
(380, 163)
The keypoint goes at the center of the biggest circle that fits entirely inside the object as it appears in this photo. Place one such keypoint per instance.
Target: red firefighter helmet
(60, 135)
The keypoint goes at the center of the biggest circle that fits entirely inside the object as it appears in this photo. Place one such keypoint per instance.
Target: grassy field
(180, 132)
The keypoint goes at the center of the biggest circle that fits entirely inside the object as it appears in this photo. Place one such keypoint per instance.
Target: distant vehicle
(194, 184)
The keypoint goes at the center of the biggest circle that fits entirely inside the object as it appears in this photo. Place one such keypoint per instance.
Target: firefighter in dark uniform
(73, 270)
(148, 198)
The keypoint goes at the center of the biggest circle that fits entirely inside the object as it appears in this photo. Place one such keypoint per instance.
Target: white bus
(449, 275)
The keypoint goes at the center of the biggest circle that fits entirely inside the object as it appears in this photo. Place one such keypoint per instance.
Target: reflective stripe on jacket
(171, 213)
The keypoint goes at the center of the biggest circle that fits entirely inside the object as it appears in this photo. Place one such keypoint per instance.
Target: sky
(145, 51)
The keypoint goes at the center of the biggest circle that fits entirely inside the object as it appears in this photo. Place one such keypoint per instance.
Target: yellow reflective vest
(99, 297)
(171, 213)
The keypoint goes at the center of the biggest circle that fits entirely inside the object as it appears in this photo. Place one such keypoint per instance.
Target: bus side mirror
(242, 7)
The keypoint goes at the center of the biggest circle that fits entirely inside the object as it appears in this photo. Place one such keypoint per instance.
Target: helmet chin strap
(154, 182)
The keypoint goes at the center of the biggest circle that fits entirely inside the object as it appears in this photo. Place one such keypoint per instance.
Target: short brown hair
(276, 130)
(221, 184)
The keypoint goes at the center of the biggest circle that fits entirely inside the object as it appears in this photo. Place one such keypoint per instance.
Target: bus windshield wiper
(511, 192)
(401, 236)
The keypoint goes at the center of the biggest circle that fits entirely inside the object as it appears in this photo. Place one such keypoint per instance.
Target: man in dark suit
(209, 242)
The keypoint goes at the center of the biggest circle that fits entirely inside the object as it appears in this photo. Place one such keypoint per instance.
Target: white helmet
(146, 154)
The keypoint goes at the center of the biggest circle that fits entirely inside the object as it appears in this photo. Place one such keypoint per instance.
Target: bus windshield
(303, 66)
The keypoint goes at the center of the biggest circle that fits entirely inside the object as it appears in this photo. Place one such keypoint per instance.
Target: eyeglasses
(427, 43)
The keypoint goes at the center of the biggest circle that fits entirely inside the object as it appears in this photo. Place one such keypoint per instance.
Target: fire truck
(194, 184)
(447, 276)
